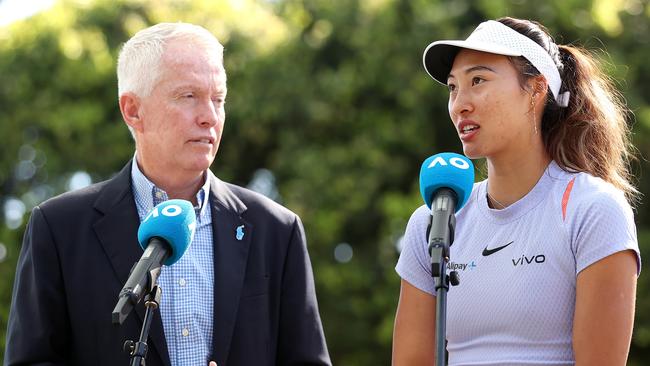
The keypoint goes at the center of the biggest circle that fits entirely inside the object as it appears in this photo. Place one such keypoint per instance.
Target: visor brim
(439, 56)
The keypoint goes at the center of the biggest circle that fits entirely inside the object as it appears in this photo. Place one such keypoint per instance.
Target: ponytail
(591, 134)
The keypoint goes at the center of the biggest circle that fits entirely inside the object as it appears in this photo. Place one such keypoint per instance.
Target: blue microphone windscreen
(447, 170)
(173, 221)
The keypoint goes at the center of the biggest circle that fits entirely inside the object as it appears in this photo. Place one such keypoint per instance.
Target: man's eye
(477, 80)
(451, 87)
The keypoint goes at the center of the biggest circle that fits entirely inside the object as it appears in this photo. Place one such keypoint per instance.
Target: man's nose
(210, 113)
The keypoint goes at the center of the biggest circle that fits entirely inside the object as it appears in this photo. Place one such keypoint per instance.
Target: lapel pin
(240, 232)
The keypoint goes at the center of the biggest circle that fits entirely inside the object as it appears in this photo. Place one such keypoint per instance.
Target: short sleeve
(603, 224)
(414, 264)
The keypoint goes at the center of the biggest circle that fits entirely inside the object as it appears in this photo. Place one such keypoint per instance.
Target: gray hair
(138, 65)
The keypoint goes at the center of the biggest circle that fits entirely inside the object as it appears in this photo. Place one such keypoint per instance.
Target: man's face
(183, 117)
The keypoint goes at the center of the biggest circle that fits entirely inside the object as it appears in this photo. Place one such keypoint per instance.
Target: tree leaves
(330, 97)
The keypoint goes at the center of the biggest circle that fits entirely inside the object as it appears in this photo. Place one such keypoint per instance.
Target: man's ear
(131, 112)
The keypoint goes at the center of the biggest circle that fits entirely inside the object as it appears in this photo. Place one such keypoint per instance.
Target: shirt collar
(147, 195)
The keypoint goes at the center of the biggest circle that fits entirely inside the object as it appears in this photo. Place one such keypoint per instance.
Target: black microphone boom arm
(142, 279)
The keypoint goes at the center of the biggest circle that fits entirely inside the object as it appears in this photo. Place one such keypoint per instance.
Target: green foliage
(329, 96)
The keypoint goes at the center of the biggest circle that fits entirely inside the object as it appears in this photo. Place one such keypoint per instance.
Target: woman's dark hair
(591, 134)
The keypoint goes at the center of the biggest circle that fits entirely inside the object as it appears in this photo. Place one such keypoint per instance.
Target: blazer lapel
(117, 231)
(231, 237)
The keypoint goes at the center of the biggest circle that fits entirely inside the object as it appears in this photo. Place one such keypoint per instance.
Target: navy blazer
(79, 248)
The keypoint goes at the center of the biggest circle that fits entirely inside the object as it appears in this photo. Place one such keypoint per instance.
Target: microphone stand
(441, 236)
(152, 295)
(138, 350)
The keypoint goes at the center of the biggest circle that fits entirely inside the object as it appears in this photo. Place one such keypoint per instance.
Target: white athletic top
(518, 267)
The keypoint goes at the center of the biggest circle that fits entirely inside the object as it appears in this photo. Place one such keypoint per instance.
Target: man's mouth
(203, 141)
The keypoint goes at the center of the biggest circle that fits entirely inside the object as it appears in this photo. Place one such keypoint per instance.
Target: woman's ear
(539, 87)
(131, 112)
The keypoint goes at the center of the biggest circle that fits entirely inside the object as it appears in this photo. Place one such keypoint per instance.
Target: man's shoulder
(257, 201)
(258, 204)
(106, 191)
(78, 199)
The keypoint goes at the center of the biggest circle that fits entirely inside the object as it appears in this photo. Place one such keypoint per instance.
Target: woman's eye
(477, 80)
(451, 87)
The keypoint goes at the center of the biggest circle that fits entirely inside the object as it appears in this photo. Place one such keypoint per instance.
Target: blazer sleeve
(38, 329)
(301, 341)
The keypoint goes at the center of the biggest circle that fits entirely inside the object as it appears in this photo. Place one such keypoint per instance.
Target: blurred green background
(329, 112)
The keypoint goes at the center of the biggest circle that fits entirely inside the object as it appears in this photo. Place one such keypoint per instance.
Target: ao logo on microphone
(447, 170)
(169, 211)
(454, 161)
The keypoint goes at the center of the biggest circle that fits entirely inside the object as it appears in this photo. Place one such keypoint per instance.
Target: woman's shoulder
(590, 189)
(582, 192)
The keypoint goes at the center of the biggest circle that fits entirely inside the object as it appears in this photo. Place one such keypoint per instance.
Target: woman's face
(492, 114)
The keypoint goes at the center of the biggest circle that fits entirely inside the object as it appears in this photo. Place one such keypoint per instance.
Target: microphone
(446, 182)
(165, 234)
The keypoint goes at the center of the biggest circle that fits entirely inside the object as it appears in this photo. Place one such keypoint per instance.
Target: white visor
(497, 38)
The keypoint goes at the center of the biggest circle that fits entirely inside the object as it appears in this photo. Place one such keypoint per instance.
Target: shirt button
(186, 332)
(158, 194)
(182, 282)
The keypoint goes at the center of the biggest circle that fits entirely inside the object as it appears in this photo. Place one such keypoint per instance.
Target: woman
(548, 240)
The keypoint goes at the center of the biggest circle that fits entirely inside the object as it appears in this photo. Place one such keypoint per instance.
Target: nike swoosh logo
(487, 251)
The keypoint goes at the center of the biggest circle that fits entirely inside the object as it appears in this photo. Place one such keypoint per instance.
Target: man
(243, 293)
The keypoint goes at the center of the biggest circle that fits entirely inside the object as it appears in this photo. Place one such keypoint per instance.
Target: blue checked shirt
(187, 285)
